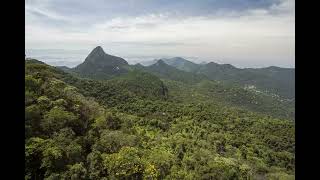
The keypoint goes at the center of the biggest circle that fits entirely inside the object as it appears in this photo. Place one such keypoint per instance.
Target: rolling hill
(275, 80)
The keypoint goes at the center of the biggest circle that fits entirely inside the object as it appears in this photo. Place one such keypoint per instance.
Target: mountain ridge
(273, 79)
(146, 84)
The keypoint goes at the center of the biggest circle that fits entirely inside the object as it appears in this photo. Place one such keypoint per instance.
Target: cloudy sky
(246, 33)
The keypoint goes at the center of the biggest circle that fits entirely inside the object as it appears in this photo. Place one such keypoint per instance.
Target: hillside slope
(77, 130)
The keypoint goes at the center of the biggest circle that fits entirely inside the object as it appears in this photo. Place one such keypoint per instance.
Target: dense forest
(144, 125)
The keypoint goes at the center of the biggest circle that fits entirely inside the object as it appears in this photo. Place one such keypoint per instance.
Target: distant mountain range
(274, 80)
(165, 71)
(177, 62)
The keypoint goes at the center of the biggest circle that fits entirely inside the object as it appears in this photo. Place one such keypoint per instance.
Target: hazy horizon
(243, 33)
(72, 58)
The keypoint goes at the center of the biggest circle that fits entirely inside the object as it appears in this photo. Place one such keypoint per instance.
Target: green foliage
(57, 118)
(95, 165)
(52, 159)
(44, 102)
(125, 164)
(113, 141)
(33, 156)
(160, 161)
(120, 129)
(280, 176)
(113, 122)
(32, 84)
(76, 172)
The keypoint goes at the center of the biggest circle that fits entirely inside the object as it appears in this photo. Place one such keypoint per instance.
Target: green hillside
(276, 80)
(136, 126)
(212, 92)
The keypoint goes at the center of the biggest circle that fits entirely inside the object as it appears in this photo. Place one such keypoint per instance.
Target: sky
(245, 33)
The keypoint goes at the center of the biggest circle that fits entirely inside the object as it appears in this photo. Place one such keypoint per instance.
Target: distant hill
(163, 70)
(148, 63)
(182, 64)
(280, 81)
(30, 60)
(177, 62)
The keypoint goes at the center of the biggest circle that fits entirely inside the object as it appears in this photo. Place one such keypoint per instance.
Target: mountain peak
(178, 58)
(227, 66)
(273, 67)
(160, 62)
(98, 48)
(97, 51)
(98, 56)
(212, 63)
(98, 62)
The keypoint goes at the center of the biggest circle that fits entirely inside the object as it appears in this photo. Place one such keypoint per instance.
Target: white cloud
(256, 36)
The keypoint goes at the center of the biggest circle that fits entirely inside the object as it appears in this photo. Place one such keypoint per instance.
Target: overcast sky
(245, 33)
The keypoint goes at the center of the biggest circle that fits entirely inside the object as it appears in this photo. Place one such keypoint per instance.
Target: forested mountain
(280, 81)
(273, 80)
(154, 122)
(163, 70)
(211, 92)
(98, 64)
(182, 64)
(177, 62)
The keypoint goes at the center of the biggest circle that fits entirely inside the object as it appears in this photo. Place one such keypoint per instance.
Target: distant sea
(71, 58)
(58, 57)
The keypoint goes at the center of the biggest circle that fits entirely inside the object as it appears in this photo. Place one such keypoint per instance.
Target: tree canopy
(141, 127)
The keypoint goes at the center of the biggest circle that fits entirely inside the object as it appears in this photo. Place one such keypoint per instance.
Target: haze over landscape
(242, 33)
(160, 89)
